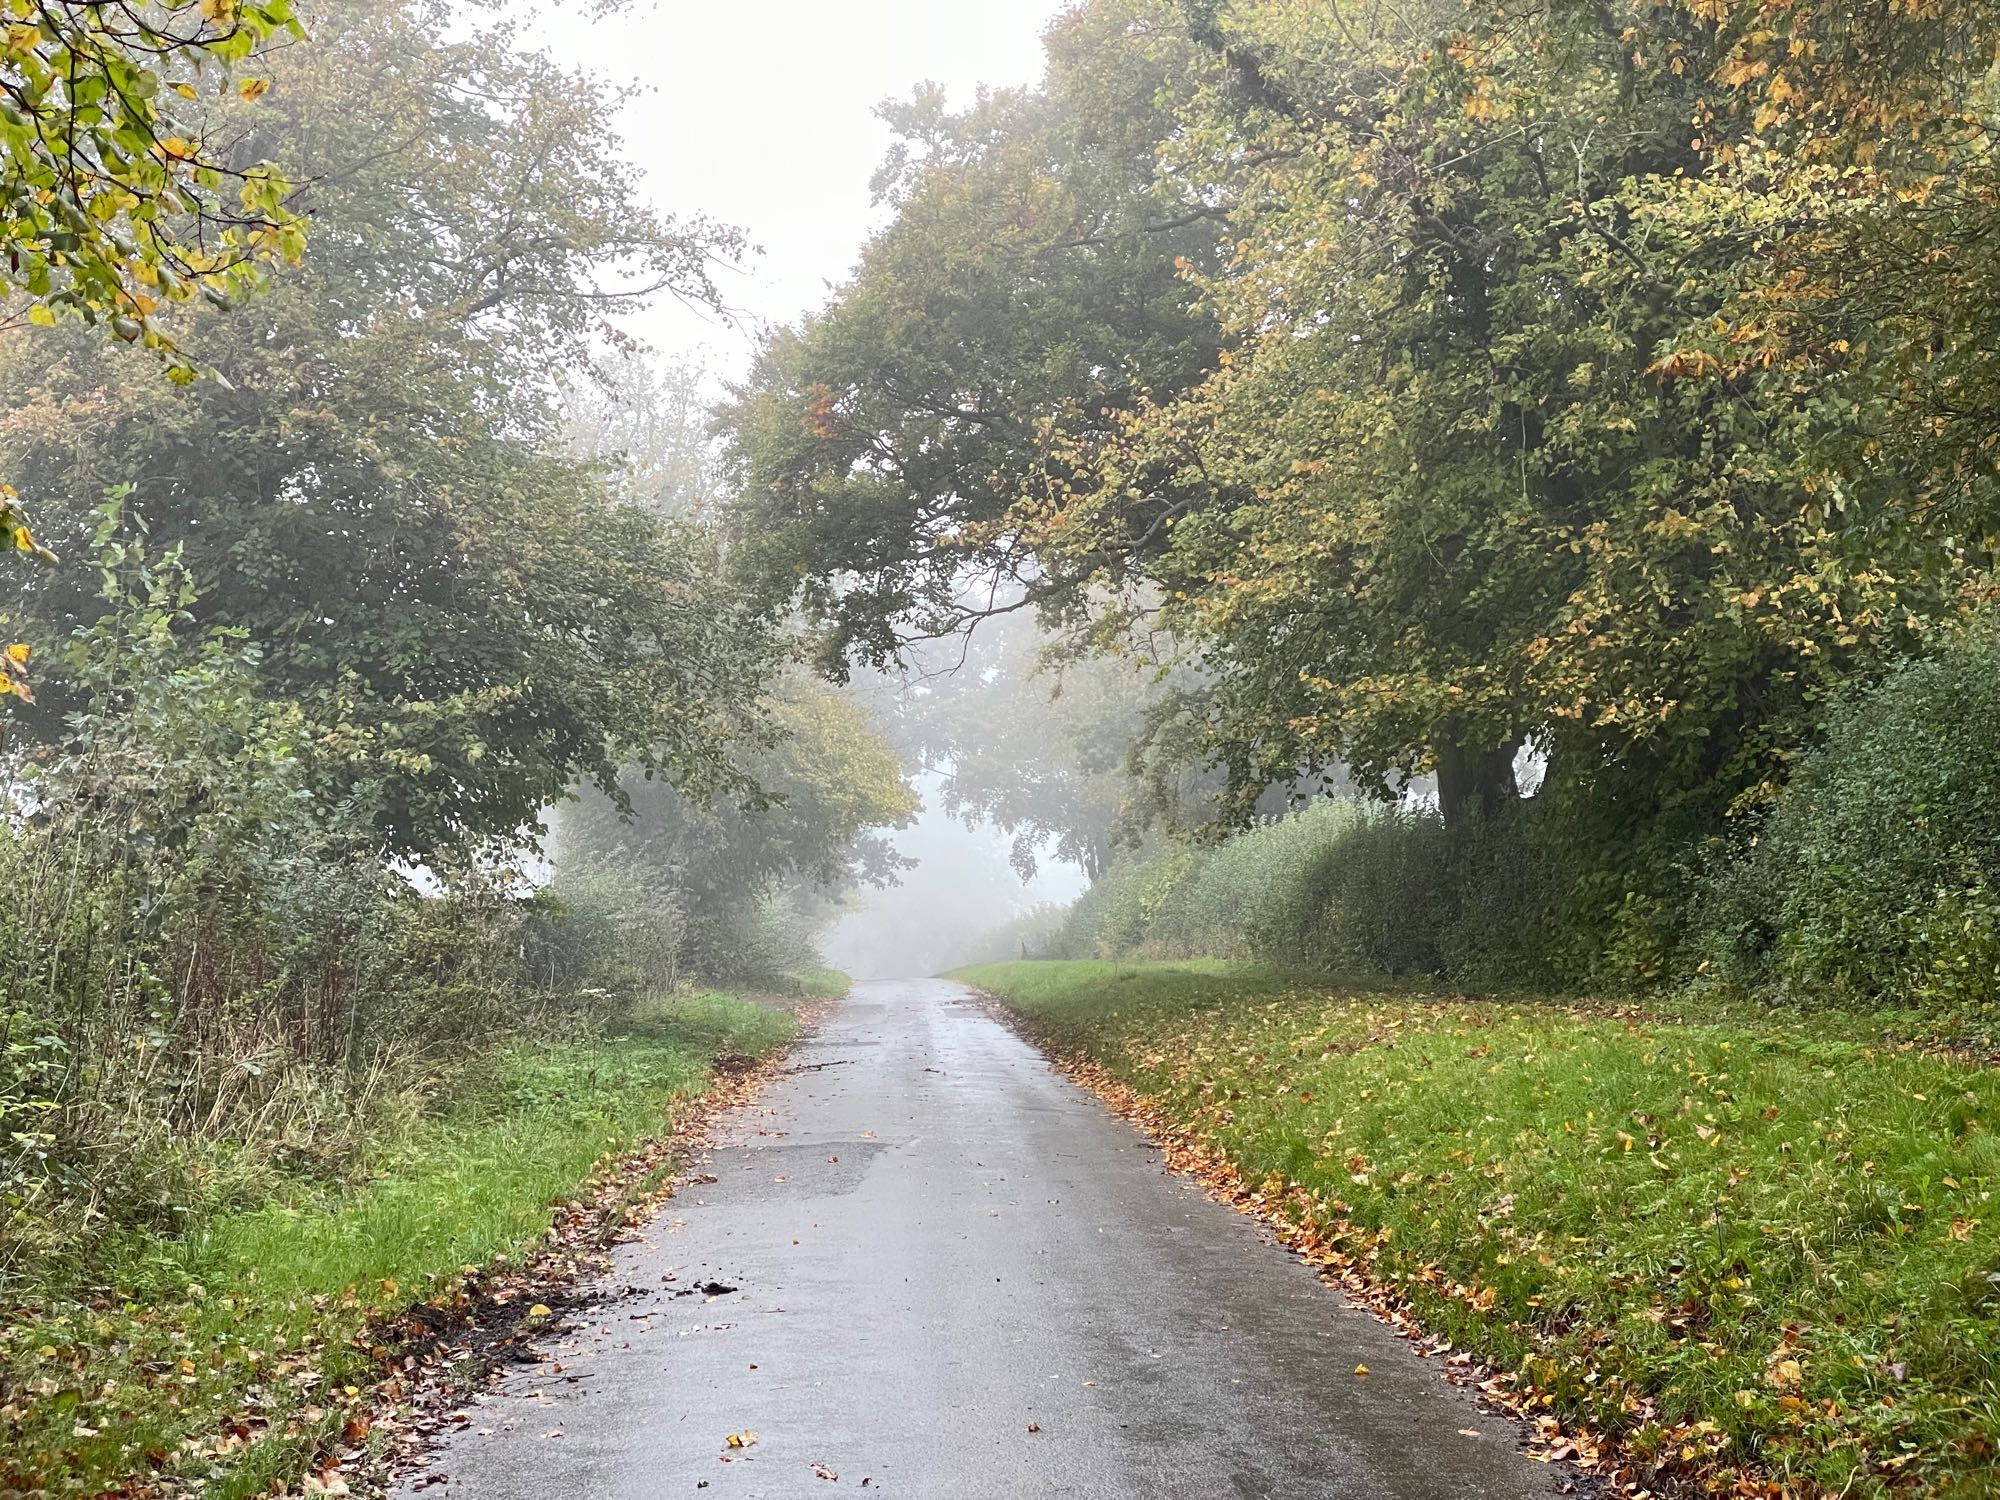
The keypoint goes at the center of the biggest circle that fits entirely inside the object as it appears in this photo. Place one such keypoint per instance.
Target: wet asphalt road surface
(956, 1275)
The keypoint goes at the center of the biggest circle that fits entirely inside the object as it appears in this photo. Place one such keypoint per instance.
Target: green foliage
(1614, 379)
(117, 196)
(1877, 873)
(240, 1049)
(1343, 886)
(470, 617)
(1029, 739)
(279, 1010)
(1043, 931)
(1728, 1245)
(115, 201)
(1445, 406)
(1026, 282)
(276, 1287)
(206, 969)
(604, 925)
(735, 874)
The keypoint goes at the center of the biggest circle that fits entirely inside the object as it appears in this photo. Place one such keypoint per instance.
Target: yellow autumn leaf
(539, 1310)
(254, 88)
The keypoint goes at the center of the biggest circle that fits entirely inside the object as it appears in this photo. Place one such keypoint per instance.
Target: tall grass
(255, 1309)
(1343, 886)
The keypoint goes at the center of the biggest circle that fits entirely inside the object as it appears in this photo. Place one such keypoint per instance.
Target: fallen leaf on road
(821, 1471)
(741, 1439)
(1361, 1369)
(1034, 1427)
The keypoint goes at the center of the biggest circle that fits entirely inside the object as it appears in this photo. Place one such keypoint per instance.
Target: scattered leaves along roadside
(218, 1389)
(1746, 1258)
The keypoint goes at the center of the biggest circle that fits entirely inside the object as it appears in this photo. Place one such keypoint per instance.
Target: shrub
(1042, 931)
(603, 925)
(1341, 886)
(210, 976)
(1877, 872)
(1379, 894)
(767, 940)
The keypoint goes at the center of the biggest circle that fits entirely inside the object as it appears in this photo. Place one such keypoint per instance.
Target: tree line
(1430, 385)
(351, 535)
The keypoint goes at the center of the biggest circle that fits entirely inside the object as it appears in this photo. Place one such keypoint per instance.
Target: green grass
(223, 1354)
(819, 983)
(1770, 1224)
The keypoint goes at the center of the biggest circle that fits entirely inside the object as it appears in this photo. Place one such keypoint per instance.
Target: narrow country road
(956, 1275)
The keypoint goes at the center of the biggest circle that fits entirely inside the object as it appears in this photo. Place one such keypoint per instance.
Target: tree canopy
(380, 497)
(1601, 379)
(119, 195)
(1026, 284)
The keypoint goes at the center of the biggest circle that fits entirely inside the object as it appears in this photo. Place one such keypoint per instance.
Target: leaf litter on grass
(1729, 1258)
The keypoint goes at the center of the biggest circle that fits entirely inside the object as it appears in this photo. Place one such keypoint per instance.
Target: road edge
(1183, 1153)
(457, 1343)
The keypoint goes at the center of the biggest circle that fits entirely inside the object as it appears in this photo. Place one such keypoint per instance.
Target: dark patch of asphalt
(933, 1268)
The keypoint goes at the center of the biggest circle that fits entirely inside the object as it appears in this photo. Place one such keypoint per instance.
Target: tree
(824, 783)
(1462, 498)
(1863, 143)
(1026, 283)
(651, 425)
(1034, 742)
(117, 198)
(380, 497)
(1526, 411)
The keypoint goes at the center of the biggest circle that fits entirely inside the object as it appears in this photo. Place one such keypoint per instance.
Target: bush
(208, 975)
(1340, 886)
(1877, 873)
(603, 926)
(1378, 895)
(1042, 931)
(768, 940)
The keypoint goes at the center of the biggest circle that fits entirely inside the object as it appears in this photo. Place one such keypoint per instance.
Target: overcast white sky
(761, 114)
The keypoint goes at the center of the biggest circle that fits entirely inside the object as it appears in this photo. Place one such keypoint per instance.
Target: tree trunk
(1473, 785)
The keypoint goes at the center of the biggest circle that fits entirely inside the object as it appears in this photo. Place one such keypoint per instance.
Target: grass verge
(1756, 1256)
(231, 1358)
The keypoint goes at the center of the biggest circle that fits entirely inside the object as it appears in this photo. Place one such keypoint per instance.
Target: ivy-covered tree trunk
(1473, 785)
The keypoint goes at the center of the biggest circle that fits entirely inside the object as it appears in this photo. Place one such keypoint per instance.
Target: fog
(958, 888)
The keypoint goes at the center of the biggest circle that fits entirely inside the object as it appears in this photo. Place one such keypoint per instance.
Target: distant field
(1723, 1242)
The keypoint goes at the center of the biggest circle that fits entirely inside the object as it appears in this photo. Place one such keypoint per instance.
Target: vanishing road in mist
(954, 1274)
